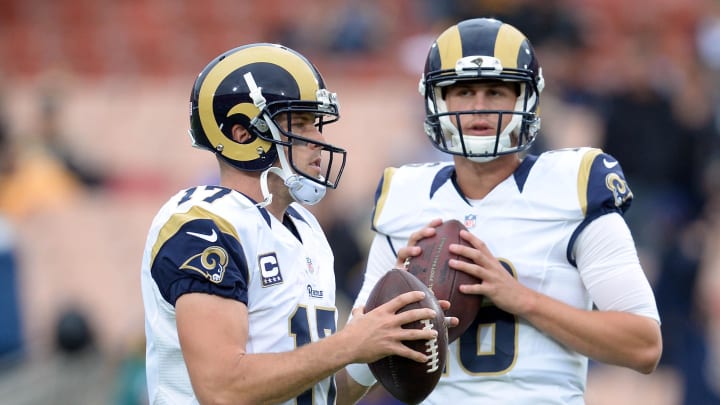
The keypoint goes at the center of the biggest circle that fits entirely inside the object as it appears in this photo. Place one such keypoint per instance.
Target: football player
(237, 278)
(561, 277)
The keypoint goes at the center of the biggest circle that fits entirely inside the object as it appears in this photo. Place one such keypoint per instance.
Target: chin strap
(267, 196)
(302, 189)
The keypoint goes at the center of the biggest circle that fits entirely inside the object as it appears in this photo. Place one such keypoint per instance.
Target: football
(431, 267)
(408, 380)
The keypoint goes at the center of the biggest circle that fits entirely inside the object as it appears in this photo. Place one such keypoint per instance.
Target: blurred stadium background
(93, 120)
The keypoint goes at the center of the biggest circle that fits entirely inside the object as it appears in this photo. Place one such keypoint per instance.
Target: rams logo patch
(620, 190)
(210, 263)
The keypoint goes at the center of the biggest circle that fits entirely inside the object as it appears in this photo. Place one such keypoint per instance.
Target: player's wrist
(529, 304)
(344, 346)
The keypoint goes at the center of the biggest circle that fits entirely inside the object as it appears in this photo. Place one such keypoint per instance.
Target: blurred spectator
(130, 383)
(349, 256)
(77, 354)
(35, 182)
(707, 38)
(660, 153)
(73, 333)
(659, 122)
(40, 170)
(359, 27)
(342, 232)
(708, 280)
(683, 302)
(351, 27)
(52, 137)
(11, 334)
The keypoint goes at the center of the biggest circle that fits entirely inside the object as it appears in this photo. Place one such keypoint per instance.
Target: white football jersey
(529, 222)
(214, 240)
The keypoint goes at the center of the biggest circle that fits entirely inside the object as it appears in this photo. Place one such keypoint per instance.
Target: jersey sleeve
(602, 186)
(610, 268)
(195, 254)
(602, 189)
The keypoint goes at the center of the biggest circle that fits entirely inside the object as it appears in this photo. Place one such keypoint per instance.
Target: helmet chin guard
(305, 191)
(301, 189)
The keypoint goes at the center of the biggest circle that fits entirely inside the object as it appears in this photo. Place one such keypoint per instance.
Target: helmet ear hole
(240, 134)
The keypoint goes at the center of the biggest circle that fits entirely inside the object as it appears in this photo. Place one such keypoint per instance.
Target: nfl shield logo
(470, 221)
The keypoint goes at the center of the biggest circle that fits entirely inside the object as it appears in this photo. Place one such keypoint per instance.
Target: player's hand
(411, 250)
(498, 284)
(379, 332)
(450, 321)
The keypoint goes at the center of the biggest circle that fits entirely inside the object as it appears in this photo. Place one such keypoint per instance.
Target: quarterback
(238, 278)
(561, 279)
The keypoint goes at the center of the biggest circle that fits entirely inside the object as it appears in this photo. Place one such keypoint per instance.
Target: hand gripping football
(408, 380)
(431, 267)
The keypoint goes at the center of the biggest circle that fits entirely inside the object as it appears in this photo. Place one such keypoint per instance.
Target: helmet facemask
(517, 135)
(274, 123)
(332, 158)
